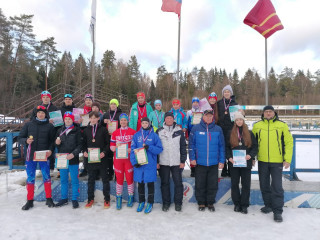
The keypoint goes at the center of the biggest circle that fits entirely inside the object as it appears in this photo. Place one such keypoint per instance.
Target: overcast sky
(212, 32)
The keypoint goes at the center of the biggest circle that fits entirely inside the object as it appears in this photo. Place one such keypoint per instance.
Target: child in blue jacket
(180, 116)
(145, 138)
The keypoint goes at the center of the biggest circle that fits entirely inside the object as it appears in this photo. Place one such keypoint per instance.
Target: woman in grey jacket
(172, 159)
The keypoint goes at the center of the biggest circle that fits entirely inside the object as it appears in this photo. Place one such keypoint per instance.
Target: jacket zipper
(268, 142)
(278, 142)
(207, 146)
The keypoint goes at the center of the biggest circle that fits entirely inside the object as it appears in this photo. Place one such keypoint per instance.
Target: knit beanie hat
(158, 101)
(238, 115)
(124, 115)
(228, 87)
(43, 109)
(269, 107)
(68, 114)
(213, 95)
(115, 101)
(168, 114)
(46, 93)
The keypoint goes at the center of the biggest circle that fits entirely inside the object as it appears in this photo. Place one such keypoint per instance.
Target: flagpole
(266, 66)
(178, 60)
(93, 71)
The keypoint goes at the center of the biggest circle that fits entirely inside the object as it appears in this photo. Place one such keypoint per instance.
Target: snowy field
(98, 223)
(67, 223)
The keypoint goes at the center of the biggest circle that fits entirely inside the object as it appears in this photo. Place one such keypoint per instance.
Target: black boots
(237, 208)
(28, 205)
(277, 217)
(193, 172)
(266, 209)
(50, 203)
(75, 204)
(62, 202)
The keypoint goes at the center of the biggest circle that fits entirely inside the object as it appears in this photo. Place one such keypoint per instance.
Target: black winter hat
(145, 119)
(269, 107)
(168, 114)
(42, 109)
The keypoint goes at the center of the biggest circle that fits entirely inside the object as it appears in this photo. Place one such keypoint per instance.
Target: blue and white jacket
(206, 144)
(180, 117)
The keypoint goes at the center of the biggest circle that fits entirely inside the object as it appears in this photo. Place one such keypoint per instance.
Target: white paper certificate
(196, 118)
(112, 126)
(239, 158)
(85, 120)
(40, 156)
(94, 155)
(141, 156)
(61, 161)
(122, 151)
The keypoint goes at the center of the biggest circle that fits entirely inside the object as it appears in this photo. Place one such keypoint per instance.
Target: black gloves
(146, 147)
(137, 165)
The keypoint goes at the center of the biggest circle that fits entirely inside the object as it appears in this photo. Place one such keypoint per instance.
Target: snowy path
(67, 223)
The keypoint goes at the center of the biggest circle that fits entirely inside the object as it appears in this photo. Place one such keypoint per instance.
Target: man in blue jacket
(207, 152)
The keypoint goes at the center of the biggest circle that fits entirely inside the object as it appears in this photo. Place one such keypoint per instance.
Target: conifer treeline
(25, 63)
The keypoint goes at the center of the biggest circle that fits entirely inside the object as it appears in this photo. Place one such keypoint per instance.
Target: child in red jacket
(120, 144)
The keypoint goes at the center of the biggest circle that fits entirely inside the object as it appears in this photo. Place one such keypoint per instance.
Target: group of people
(147, 140)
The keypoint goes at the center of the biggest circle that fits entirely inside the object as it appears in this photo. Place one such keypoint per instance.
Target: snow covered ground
(67, 223)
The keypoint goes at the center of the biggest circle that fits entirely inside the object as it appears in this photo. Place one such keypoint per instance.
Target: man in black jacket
(67, 105)
(38, 135)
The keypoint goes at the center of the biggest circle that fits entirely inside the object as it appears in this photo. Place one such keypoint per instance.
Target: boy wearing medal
(111, 117)
(94, 141)
(122, 137)
(157, 116)
(145, 168)
(179, 114)
(240, 138)
(46, 101)
(195, 109)
(37, 135)
(225, 122)
(139, 110)
(68, 141)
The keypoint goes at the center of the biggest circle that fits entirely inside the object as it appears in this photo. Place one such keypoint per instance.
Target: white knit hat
(228, 87)
(238, 115)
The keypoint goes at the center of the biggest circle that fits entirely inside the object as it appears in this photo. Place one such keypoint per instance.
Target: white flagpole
(93, 39)
(266, 66)
(178, 60)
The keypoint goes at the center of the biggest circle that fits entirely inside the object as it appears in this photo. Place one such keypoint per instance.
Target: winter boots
(75, 204)
(62, 202)
(50, 203)
(119, 202)
(140, 207)
(148, 208)
(130, 201)
(28, 205)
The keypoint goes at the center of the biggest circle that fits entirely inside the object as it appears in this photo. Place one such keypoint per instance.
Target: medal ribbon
(71, 127)
(141, 114)
(144, 139)
(94, 131)
(111, 119)
(158, 117)
(226, 107)
(239, 135)
(28, 152)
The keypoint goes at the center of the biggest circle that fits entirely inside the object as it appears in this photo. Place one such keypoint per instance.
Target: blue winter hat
(123, 115)
(195, 99)
(158, 101)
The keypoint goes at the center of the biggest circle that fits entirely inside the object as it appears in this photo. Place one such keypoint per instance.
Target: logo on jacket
(202, 133)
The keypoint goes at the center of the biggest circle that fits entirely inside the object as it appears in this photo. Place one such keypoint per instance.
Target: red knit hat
(46, 93)
(141, 94)
(213, 95)
(176, 101)
(68, 114)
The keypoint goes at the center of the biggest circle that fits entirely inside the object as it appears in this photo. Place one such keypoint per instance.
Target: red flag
(172, 6)
(263, 18)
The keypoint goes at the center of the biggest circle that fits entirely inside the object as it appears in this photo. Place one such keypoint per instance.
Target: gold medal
(240, 143)
(93, 140)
